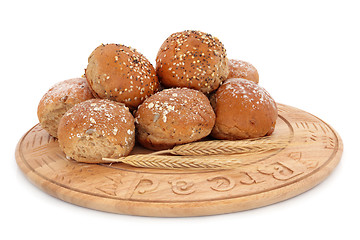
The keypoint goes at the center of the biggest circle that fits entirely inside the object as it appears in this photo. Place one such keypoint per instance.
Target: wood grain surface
(313, 151)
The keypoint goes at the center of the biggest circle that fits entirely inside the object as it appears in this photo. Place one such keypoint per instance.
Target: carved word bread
(173, 116)
(243, 110)
(60, 98)
(122, 74)
(97, 129)
(192, 59)
(242, 69)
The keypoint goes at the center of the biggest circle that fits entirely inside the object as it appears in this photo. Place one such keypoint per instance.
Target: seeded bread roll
(242, 69)
(122, 74)
(192, 59)
(60, 98)
(173, 116)
(243, 110)
(97, 129)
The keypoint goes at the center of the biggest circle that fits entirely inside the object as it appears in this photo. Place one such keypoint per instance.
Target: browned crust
(120, 73)
(243, 110)
(61, 97)
(97, 119)
(242, 69)
(173, 116)
(192, 59)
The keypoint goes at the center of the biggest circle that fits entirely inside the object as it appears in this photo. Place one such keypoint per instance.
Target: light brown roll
(96, 129)
(192, 59)
(242, 69)
(173, 116)
(60, 98)
(122, 74)
(243, 110)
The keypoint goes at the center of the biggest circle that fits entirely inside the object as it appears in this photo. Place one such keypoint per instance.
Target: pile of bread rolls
(193, 92)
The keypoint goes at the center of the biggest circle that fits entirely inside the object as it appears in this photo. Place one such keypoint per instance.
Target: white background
(307, 54)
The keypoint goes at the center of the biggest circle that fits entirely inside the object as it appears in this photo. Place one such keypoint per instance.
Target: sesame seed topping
(150, 105)
(196, 74)
(92, 120)
(133, 68)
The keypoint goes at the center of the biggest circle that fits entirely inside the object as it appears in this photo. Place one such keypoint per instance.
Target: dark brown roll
(242, 69)
(122, 74)
(173, 116)
(243, 110)
(192, 59)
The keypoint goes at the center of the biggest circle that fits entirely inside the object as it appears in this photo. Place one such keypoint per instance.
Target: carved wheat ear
(216, 154)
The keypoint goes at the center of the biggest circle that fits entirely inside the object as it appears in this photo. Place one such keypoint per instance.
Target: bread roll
(97, 129)
(242, 69)
(122, 74)
(192, 59)
(60, 98)
(173, 116)
(243, 110)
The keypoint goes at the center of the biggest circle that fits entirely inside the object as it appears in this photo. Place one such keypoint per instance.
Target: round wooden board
(313, 151)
